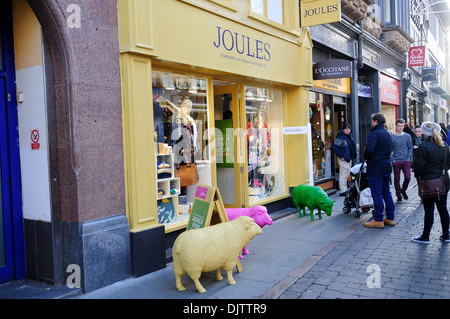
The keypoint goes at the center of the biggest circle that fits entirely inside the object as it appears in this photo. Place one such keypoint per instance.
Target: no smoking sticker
(35, 145)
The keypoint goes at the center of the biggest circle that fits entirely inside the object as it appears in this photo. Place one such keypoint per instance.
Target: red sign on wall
(35, 145)
(390, 90)
(416, 56)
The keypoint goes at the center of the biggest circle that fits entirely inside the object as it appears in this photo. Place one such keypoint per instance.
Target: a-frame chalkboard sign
(208, 209)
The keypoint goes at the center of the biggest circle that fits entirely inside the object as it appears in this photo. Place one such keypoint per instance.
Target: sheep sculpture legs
(196, 279)
(211, 248)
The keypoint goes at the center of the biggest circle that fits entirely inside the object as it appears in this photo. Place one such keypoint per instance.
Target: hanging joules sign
(315, 12)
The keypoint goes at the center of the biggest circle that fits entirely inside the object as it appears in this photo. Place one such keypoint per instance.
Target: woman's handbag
(434, 187)
(188, 174)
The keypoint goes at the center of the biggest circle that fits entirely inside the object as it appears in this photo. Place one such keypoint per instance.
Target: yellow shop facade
(207, 88)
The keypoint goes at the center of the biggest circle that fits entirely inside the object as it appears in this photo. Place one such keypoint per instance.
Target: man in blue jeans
(378, 157)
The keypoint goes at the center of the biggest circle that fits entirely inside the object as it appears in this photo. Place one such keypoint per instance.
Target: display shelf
(167, 187)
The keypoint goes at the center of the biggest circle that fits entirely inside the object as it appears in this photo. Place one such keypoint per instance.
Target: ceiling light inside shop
(168, 82)
(193, 86)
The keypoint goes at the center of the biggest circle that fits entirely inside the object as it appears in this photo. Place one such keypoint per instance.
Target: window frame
(288, 23)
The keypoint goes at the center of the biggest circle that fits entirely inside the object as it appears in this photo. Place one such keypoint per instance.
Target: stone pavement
(296, 258)
(378, 263)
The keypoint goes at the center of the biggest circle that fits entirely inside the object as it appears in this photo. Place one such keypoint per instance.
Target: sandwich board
(208, 210)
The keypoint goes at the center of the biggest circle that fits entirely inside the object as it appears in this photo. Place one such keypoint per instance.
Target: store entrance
(230, 144)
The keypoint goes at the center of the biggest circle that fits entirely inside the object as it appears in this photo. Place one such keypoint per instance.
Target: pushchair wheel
(346, 210)
(357, 213)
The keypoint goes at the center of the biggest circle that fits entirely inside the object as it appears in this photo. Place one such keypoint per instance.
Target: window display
(264, 118)
(180, 112)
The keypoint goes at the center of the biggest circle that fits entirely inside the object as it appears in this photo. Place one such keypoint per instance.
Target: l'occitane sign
(314, 12)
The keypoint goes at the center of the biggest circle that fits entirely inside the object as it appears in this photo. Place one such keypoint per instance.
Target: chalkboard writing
(207, 201)
(199, 214)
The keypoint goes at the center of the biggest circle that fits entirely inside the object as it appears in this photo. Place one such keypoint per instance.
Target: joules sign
(244, 45)
(314, 12)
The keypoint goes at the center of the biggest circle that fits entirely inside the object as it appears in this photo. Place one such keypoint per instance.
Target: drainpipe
(360, 45)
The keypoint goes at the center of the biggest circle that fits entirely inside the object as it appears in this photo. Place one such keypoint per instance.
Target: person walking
(378, 156)
(345, 149)
(429, 164)
(402, 152)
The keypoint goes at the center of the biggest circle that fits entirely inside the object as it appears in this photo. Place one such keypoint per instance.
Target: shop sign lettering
(416, 56)
(430, 74)
(315, 12)
(294, 130)
(390, 90)
(320, 10)
(332, 69)
(242, 44)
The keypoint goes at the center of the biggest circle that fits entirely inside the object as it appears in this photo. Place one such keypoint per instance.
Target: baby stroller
(359, 195)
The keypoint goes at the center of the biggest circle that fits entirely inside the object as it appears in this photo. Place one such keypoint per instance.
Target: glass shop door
(230, 145)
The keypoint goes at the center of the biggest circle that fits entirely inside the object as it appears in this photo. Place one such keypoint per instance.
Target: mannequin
(183, 111)
(188, 139)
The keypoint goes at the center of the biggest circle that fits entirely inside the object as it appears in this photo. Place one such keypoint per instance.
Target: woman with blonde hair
(429, 164)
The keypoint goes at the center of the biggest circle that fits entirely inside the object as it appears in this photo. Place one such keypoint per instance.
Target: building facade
(427, 98)
(113, 112)
(214, 90)
(63, 190)
(376, 50)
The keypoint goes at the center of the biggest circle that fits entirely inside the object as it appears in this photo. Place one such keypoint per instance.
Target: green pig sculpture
(311, 197)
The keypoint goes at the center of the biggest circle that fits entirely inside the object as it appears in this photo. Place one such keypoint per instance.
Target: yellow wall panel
(296, 114)
(137, 26)
(143, 25)
(138, 139)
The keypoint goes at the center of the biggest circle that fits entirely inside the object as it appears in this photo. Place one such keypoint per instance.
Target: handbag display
(188, 174)
(434, 187)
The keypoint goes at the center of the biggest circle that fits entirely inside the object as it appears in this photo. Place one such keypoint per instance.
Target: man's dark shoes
(399, 199)
(420, 240)
(447, 240)
(404, 195)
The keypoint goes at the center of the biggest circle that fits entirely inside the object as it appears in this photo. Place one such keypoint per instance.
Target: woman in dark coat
(429, 164)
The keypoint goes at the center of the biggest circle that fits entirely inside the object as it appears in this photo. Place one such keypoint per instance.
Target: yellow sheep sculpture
(211, 248)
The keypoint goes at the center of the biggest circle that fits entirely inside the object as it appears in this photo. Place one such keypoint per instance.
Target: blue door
(12, 255)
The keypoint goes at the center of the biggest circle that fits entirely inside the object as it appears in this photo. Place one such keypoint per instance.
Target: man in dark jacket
(378, 157)
(345, 149)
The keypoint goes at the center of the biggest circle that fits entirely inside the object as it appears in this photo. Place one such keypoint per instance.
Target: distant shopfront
(329, 103)
(390, 100)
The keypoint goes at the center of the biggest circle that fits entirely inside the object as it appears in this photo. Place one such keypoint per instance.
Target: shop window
(390, 111)
(264, 118)
(269, 9)
(322, 134)
(180, 111)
